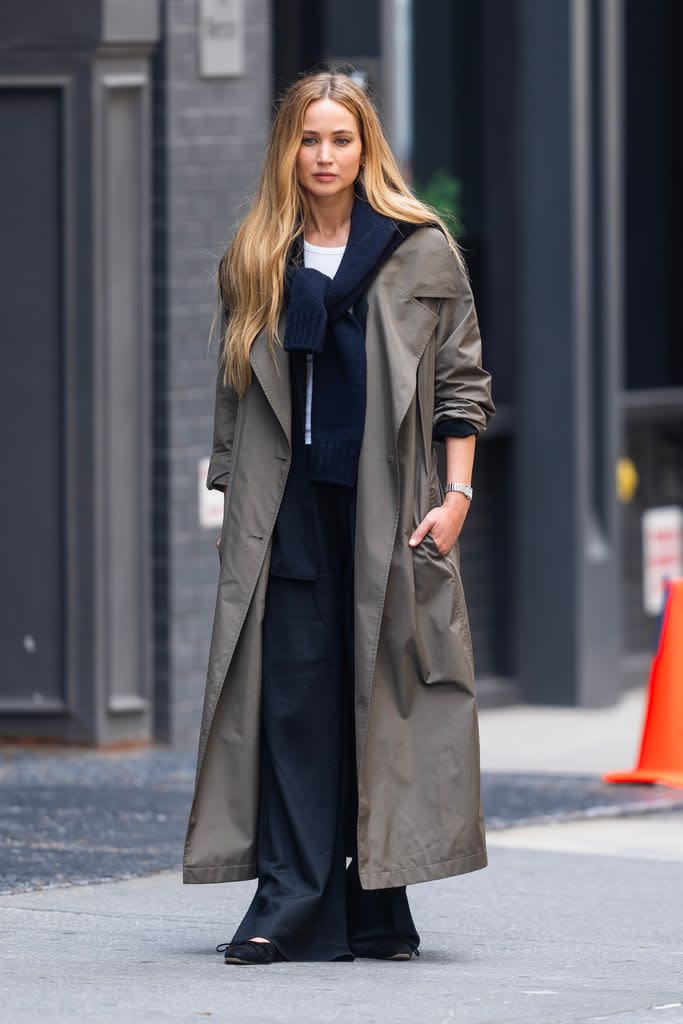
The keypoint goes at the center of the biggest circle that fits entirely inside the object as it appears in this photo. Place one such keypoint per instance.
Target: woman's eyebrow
(338, 131)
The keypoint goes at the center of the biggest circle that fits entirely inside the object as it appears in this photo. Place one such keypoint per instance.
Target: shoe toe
(250, 953)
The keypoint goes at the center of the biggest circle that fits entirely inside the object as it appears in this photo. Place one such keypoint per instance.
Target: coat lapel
(273, 375)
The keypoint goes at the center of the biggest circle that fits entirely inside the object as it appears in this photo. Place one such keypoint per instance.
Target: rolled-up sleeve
(224, 418)
(462, 387)
(448, 427)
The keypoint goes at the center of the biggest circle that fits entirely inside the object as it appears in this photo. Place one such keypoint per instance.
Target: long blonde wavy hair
(251, 271)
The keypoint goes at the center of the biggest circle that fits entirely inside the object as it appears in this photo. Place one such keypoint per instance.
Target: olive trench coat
(420, 815)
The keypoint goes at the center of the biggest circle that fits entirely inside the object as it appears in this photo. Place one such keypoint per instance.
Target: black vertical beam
(298, 40)
(654, 206)
(499, 167)
(569, 336)
(433, 87)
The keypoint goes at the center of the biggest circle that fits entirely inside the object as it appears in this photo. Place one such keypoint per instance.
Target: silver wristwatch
(465, 488)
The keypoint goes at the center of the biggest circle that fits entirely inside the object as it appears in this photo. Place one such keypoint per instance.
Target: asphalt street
(70, 817)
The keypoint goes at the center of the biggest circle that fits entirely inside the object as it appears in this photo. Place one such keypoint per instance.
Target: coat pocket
(442, 633)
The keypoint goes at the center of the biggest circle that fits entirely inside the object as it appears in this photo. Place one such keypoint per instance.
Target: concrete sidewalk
(574, 922)
(577, 741)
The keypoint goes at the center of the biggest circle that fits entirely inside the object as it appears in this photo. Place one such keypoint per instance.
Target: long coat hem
(220, 873)
(423, 872)
(369, 880)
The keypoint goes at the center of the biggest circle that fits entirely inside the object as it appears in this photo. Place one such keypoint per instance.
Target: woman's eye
(344, 142)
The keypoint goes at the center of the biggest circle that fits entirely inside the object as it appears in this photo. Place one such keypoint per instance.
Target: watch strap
(464, 488)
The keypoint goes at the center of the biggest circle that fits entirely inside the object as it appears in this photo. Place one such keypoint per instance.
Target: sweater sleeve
(453, 427)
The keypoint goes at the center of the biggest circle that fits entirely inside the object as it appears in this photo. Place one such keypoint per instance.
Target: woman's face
(329, 155)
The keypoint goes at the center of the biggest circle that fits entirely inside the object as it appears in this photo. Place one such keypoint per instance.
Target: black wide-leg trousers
(307, 902)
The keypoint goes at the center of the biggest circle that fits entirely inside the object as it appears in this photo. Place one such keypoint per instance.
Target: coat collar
(422, 267)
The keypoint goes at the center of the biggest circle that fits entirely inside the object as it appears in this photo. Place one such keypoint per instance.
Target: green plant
(443, 192)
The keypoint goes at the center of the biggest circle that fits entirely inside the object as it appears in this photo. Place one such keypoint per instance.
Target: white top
(326, 259)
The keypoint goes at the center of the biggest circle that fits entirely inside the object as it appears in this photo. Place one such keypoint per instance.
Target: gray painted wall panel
(126, 402)
(31, 423)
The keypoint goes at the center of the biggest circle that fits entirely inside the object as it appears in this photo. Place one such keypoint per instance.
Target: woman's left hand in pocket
(443, 522)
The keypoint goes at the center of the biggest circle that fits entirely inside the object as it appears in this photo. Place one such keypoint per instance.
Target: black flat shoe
(250, 953)
(388, 950)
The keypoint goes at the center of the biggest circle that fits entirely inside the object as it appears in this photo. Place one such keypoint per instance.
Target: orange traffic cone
(661, 746)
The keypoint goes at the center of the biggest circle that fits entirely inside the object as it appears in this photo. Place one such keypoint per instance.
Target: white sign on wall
(221, 38)
(210, 502)
(662, 553)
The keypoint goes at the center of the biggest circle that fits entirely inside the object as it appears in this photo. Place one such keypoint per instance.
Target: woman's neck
(330, 219)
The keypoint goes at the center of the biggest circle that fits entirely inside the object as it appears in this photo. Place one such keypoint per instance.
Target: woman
(339, 715)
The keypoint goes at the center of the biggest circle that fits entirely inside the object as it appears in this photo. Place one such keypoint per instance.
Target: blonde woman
(339, 718)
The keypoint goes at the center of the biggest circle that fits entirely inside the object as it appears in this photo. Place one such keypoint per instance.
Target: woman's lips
(325, 177)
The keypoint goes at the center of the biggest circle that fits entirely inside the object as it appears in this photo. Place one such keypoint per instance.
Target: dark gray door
(32, 676)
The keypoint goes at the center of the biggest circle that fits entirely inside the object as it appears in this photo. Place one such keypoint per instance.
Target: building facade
(133, 134)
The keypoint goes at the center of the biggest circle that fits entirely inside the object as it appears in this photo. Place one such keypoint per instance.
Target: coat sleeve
(462, 387)
(224, 417)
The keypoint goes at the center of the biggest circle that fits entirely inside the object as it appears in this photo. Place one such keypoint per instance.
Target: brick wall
(209, 136)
